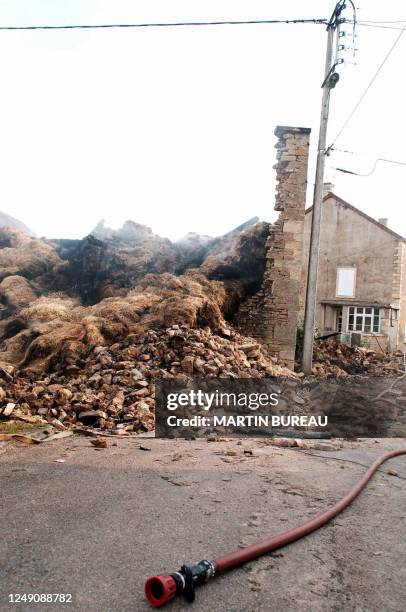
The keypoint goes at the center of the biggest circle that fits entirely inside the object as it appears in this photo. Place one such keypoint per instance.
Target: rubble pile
(340, 360)
(112, 388)
(88, 326)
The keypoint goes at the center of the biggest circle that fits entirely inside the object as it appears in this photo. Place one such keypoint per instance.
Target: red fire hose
(160, 589)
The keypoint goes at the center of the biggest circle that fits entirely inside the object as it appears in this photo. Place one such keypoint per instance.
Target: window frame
(339, 319)
(359, 312)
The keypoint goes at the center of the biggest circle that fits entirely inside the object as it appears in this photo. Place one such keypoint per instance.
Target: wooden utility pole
(330, 80)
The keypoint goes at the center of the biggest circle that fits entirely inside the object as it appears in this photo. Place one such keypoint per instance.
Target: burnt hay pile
(71, 360)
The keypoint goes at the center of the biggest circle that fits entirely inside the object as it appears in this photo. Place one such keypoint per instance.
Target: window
(363, 319)
(346, 282)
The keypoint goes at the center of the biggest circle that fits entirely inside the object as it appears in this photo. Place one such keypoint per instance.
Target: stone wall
(350, 238)
(271, 315)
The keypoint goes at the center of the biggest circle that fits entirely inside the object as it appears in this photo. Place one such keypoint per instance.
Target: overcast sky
(173, 128)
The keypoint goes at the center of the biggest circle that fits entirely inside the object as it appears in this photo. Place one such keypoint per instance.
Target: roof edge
(330, 194)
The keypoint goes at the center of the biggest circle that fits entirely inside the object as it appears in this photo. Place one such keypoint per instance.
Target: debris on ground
(19, 438)
(305, 444)
(112, 388)
(88, 326)
(333, 359)
(42, 436)
(99, 442)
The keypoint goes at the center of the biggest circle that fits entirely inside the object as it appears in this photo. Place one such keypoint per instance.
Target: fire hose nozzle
(161, 589)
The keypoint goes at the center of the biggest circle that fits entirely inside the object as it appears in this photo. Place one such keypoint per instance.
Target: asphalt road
(97, 523)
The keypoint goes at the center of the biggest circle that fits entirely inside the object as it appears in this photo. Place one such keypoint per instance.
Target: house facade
(361, 277)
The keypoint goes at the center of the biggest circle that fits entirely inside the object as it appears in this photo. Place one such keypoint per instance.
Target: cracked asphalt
(96, 523)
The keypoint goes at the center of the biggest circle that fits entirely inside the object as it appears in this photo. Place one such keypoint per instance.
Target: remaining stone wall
(271, 315)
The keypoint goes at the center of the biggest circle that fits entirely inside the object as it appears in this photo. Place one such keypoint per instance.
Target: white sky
(173, 128)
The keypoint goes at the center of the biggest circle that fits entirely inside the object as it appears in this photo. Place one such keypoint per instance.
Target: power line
(346, 151)
(380, 159)
(376, 26)
(367, 89)
(368, 153)
(163, 25)
(382, 21)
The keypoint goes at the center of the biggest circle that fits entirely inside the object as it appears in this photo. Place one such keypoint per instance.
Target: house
(361, 277)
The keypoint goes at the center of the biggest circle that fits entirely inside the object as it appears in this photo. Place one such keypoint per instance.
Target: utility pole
(330, 80)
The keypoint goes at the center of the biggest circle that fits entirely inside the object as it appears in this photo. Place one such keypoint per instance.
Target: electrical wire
(163, 24)
(380, 159)
(365, 153)
(377, 27)
(346, 151)
(361, 98)
(379, 21)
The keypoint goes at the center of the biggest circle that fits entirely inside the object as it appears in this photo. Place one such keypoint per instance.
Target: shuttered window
(346, 282)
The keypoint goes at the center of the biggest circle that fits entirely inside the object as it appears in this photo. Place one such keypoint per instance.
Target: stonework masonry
(271, 315)
(350, 238)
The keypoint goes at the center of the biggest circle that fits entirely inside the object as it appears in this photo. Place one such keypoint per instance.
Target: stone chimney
(383, 221)
(327, 187)
(272, 314)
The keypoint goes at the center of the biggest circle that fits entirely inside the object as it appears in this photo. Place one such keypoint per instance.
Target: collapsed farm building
(87, 326)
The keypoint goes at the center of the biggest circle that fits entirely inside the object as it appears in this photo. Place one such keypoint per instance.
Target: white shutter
(346, 282)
